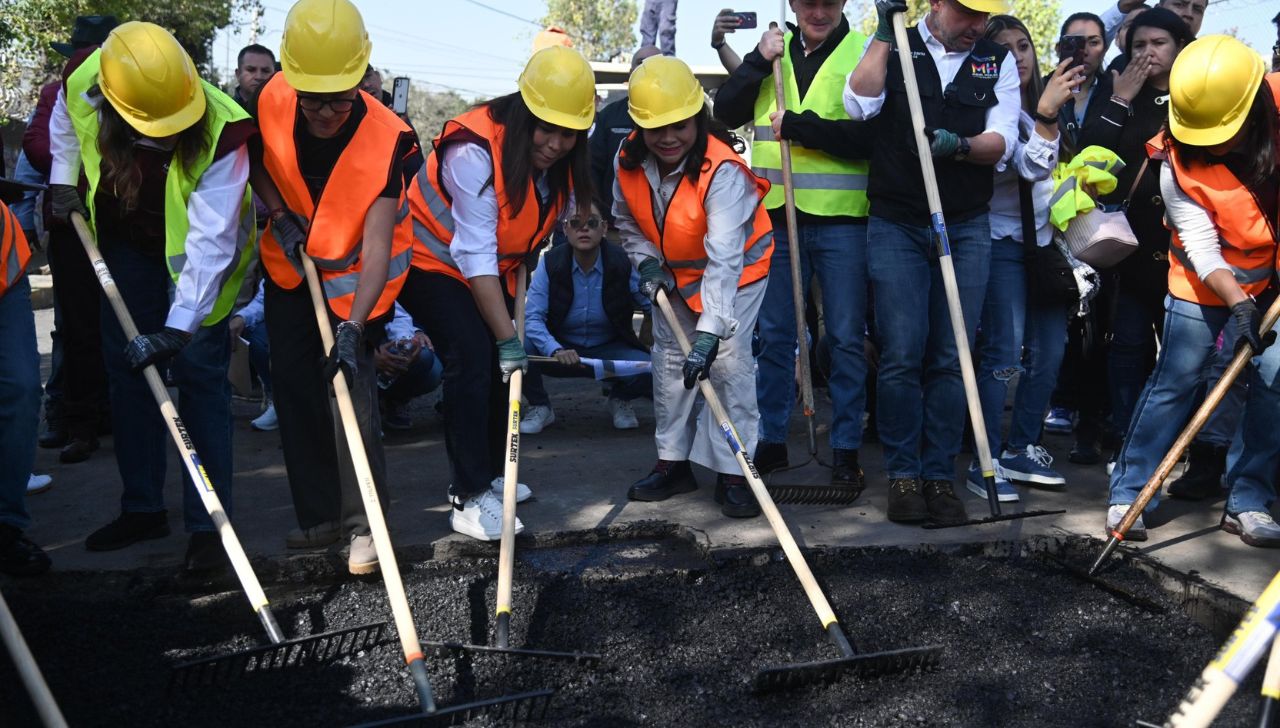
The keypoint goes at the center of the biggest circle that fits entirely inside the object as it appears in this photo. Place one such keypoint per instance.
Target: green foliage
(429, 110)
(1042, 18)
(600, 29)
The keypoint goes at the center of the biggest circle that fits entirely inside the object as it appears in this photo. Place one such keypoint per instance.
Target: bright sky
(479, 51)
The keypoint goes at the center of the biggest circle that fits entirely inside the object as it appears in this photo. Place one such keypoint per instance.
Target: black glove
(703, 353)
(1248, 321)
(290, 231)
(652, 279)
(147, 349)
(65, 200)
(885, 10)
(346, 344)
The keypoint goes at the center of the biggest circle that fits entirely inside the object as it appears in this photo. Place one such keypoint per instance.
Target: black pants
(1082, 381)
(475, 399)
(84, 377)
(321, 476)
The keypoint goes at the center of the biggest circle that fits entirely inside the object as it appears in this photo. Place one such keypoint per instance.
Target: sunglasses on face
(315, 103)
(578, 223)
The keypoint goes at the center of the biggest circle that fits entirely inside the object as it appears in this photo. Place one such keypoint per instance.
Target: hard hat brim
(994, 7)
(1197, 137)
(174, 123)
(687, 111)
(312, 84)
(557, 118)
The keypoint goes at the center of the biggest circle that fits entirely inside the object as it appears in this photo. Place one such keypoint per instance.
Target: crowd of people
(212, 211)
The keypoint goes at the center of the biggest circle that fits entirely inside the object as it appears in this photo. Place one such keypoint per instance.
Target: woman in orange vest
(1221, 187)
(19, 394)
(331, 169)
(495, 181)
(691, 216)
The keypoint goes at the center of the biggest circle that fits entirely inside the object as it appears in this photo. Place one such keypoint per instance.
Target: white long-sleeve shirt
(1032, 160)
(213, 217)
(1196, 229)
(1002, 118)
(465, 170)
(730, 207)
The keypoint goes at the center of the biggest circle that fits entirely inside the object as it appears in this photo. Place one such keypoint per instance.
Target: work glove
(652, 279)
(885, 10)
(511, 357)
(346, 347)
(698, 364)
(942, 143)
(65, 200)
(290, 231)
(1248, 321)
(149, 349)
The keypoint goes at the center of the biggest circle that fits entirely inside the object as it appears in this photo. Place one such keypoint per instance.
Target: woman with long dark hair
(494, 185)
(1221, 184)
(166, 160)
(692, 219)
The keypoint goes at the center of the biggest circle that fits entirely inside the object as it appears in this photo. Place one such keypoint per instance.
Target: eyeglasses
(577, 223)
(315, 103)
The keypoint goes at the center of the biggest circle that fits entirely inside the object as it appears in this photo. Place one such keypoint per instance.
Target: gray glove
(290, 231)
(885, 10)
(346, 347)
(943, 143)
(65, 200)
(652, 279)
(701, 355)
(148, 349)
(511, 356)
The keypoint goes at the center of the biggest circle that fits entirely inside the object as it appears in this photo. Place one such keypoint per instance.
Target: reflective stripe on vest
(824, 185)
(180, 181)
(15, 252)
(335, 240)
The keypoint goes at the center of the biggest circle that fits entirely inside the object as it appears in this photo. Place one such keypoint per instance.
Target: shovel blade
(813, 495)
(504, 709)
(873, 664)
(584, 659)
(317, 649)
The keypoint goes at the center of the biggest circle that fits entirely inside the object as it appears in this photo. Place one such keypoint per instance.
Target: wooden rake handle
(510, 477)
(28, 670)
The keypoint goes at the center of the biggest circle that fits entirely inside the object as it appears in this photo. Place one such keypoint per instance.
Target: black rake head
(585, 659)
(317, 649)
(993, 519)
(504, 709)
(813, 495)
(874, 664)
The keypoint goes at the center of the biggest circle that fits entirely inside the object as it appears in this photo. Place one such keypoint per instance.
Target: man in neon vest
(828, 158)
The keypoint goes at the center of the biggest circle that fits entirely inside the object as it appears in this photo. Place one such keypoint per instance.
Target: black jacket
(615, 295)
(613, 124)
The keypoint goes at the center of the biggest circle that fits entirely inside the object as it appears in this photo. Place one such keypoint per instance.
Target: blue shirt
(586, 323)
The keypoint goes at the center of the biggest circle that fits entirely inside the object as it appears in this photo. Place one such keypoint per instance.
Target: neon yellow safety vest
(824, 185)
(179, 184)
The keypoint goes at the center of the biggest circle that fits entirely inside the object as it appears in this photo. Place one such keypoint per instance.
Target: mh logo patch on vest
(984, 67)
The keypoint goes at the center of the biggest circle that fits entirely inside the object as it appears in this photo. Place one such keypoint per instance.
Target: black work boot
(127, 530)
(1203, 477)
(205, 554)
(78, 449)
(906, 505)
(770, 456)
(18, 555)
(735, 497)
(55, 433)
(667, 478)
(944, 507)
(845, 471)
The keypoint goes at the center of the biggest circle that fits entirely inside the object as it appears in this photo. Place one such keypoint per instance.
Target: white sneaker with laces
(523, 493)
(267, 421)
(1115, 514)
(1256, 528)
(479, 517)
(624, 416)
(363, 557)
(536, 418)
(39, 483)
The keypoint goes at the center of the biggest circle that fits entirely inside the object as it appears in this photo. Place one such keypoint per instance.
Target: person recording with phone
(1082, 40)
(727, 21)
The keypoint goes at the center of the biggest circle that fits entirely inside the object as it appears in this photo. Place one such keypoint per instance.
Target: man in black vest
(580, 304)
(970, 96)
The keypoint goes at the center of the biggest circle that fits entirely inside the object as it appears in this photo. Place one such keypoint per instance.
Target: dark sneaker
(770, 456)
(1084, 453)
(944, 507)
(845, 471)
(18, 555)
(127, 530)
(735, 497)
(906, 504)
(667, 478)
(54, 438)
(78, 450)
(205, 554)
(1203, 477)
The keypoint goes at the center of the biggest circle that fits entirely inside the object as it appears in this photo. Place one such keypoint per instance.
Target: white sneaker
(535, 418)
(479, 517)
(267, 421)
(522, 491)
(1256, 528)
(39, 483)
(363, 557)
(624, 416)
(1115, 514)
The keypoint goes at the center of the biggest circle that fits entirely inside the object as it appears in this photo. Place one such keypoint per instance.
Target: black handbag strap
(1136, 181)
(1028, 210)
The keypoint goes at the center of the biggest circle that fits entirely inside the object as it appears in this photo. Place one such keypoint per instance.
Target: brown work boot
(944, 507)
(906, 505)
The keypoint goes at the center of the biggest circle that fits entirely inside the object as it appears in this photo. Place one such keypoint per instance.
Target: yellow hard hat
(663, 90)
(994, 7)
(150, 80)
(1211, 87)
(558, 87)
(325, 48)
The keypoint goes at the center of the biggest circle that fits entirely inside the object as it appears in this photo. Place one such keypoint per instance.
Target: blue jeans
(1254, 457)
(142, 439)
(1190, 335)
(1045, 341)
(1221, 428)
(19, 401)
(921, 399)
(624, 388)
(422, 377)
(1004, 315)
(260, 353)
(837, 254)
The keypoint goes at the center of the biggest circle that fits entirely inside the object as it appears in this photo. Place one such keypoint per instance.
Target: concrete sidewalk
(579, 469)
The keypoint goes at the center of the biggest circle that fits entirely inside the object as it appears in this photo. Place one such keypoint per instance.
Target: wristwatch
(963, 152)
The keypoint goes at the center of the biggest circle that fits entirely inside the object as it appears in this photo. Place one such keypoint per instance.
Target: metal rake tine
(812, 494)
(503, 708)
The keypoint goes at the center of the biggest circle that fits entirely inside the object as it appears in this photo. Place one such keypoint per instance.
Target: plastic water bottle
(403, 347)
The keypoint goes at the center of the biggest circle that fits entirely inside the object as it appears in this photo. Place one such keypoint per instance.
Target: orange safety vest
(14, 250)
(682, 235)
(519, 231)
(336, 234)
(1248, 239)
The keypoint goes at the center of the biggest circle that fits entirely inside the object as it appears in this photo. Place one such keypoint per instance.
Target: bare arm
(986, 149)
(1223, 283)
(374, 257)
(867, 78)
